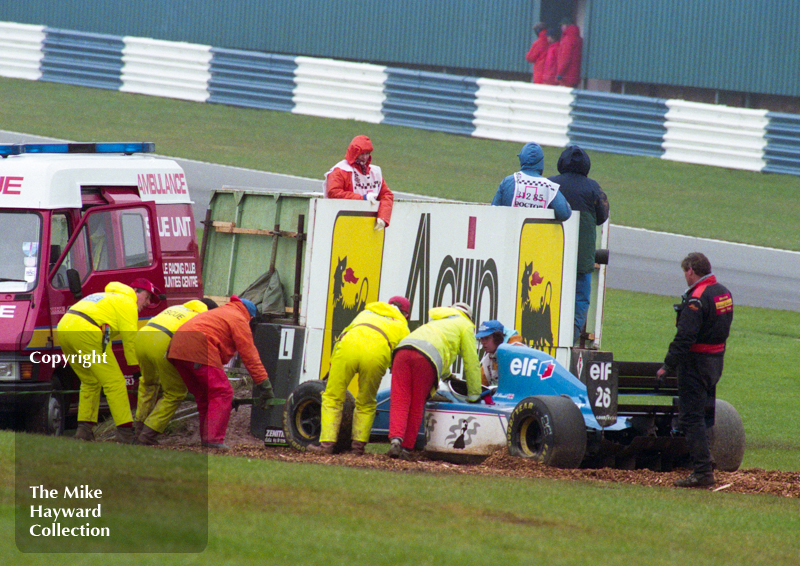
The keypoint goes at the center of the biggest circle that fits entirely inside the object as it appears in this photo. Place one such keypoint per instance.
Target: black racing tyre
(48, 415)
(548, 429)
(302, 417)
(726, 438)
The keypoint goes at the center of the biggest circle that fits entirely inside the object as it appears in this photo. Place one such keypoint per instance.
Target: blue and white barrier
(21, 51)
(707, 134)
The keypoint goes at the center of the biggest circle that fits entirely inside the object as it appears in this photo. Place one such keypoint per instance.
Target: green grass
(759, 378)
(266, 512)
(645, 192)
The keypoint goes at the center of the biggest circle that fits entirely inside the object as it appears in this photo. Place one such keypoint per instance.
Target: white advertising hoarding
(511, 264)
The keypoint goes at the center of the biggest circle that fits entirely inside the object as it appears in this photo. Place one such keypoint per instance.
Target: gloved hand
(371, 198)
(262, 393)
(379, 225)
(661, 376)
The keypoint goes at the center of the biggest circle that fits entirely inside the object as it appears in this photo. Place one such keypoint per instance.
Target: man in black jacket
(583, 194)
(697, 351)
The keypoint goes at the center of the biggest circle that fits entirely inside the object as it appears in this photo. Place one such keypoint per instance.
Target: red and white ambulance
(73, 218)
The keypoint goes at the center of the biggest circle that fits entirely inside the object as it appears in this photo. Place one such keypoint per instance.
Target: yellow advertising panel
(539, 277)
(355, 274)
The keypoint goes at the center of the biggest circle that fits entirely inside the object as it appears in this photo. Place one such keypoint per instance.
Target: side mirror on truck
(74, 281)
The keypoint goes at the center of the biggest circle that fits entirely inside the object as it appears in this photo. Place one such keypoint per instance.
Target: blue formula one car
(603, 413)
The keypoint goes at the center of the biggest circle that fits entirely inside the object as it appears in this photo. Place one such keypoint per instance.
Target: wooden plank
(230, 228)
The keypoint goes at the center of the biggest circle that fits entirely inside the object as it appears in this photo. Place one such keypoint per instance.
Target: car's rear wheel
(727, 437)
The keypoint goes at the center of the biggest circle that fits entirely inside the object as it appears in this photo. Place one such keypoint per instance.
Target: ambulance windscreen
(19, 251)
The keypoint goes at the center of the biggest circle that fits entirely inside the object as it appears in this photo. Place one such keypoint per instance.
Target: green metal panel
(748, 46)
(469, 34)
(234, 260)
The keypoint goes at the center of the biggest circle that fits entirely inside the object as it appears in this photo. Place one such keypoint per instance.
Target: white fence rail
(521, 112)
(166, 68)
(715, 135)
(339, 89)
(21, 50)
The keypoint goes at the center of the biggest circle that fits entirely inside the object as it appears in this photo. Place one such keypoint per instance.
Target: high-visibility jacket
(449, 334)
(383, 316)
(158, 373)
(115, 307)
(364, 348)
(169, 320)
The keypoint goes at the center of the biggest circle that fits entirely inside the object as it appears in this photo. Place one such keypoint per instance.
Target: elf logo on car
(600, 371)
(527, 367)
(7, 311)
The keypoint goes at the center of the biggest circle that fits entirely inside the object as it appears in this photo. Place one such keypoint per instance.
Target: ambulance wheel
(727, 437)
(48, 415)
(302, 421)
(548, 429)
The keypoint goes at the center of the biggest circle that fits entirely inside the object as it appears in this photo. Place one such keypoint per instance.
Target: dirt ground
(243, 444)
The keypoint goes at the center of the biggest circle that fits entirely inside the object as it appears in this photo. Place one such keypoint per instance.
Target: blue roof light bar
(10, 149)
(127, 148)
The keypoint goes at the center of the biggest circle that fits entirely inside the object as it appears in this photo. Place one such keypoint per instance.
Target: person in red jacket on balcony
(550, 70)
(538, 52)
(569, 55)
(354, 177)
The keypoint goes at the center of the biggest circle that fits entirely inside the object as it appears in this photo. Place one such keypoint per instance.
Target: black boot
(695, 480)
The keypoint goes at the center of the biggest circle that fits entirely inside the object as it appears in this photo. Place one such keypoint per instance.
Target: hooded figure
(570, 49)
(538, 53)
(527, 188)
(585, 195)
(356, 178)
(550, 68)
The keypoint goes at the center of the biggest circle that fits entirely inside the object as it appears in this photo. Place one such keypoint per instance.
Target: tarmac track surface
(640, 260)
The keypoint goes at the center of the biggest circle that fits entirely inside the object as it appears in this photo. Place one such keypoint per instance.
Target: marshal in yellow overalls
(151, 344)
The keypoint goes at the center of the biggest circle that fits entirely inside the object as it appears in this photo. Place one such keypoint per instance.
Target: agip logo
(355, 273)
(539, 274)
